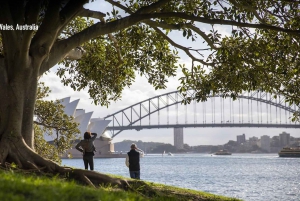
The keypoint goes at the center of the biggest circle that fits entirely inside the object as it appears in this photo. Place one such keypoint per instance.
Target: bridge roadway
(130, 118)
(203, 125)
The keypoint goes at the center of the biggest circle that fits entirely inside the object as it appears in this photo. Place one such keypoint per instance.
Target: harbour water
(250, 177)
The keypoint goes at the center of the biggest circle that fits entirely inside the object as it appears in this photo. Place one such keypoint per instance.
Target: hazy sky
(141, 90)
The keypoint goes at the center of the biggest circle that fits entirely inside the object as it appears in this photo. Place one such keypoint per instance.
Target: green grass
(30, 187)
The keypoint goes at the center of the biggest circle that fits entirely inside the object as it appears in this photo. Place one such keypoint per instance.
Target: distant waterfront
(243, 145)
(251, 177)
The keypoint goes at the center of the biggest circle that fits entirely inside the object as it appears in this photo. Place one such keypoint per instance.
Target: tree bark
(17, 106)
(16, 121)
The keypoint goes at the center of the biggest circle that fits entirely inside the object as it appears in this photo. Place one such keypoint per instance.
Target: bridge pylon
(178, 138)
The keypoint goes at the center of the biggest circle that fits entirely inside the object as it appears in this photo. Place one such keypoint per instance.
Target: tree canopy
(103, 48)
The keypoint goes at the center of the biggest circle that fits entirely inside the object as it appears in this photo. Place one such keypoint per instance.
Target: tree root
(142, 188)
(27, 161)
(97, 179)
(85, 177)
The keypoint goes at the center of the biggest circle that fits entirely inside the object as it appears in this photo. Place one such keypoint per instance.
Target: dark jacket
(134, 160)
(87, 145)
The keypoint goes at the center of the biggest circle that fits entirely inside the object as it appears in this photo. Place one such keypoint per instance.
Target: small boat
(222, 152)
(170, 154)
(289, 152)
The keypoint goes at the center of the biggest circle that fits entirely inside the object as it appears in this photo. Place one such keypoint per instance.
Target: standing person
(86, 146)
(133, 161)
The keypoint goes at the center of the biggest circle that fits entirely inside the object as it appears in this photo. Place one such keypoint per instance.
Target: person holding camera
(86, 146)
(133, 161)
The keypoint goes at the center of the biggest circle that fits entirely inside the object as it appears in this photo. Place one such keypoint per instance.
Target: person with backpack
(133, 161)
(86, 146)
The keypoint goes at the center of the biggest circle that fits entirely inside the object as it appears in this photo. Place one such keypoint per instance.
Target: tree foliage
(104, 48)
(51, 120)
(263, 42)
(259, 51)
(107, 68)
(259, 54)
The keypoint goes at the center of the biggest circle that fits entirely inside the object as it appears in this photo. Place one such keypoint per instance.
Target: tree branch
(154, 24)
(152, 7)
(9, 38)
(100, 16)
(117, 4)
(50, 127)
(75, 54)
(181, 26)
(146, 9)
(249, 8)
(218, 21)
(91, 13)
(203, 35)
(61, 48)
(32, 11)
(185, 49)
(167, 26)
(72, 9)
(47, 32)
(17, 11)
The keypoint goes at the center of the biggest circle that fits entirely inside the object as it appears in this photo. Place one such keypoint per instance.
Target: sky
(142, 90)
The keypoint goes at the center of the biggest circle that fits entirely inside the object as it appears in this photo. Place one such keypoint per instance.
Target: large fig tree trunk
(18, 95)
(18, 85)
(25, 55)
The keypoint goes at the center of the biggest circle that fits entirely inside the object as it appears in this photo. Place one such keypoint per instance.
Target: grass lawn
(30, 187)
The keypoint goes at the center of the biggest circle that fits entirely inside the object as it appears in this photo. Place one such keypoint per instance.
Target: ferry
(222, 152)
(289, 152)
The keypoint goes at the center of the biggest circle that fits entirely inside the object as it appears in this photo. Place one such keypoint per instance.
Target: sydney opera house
(103, 142)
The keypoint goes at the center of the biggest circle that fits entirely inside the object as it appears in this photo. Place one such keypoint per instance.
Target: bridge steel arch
(175, 98)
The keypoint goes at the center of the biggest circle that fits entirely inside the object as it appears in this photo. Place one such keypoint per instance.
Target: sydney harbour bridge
(250, 109)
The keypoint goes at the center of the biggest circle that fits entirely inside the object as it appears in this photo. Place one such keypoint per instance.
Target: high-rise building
(265, 142)
(241, 139)
(253, 141)
(284, 139)
(178, 138)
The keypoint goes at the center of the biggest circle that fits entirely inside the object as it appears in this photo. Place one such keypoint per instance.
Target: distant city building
(265, 142)
(241, 139)
(284, 139)
(294, 141)
(178, 138)
(275, 145)
(253, 140)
